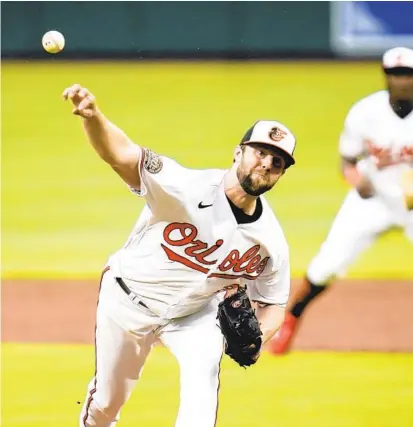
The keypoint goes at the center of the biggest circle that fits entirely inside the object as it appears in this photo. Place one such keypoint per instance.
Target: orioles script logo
(199, 256)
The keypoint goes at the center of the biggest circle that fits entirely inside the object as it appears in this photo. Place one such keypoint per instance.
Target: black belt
(122, 284)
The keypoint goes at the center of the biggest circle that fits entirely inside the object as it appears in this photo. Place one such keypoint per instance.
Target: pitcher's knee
(198, 404)
(211, 372)
(96, 415)
(200, 385)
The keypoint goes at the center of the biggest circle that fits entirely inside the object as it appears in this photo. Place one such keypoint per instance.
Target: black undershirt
(242, 217)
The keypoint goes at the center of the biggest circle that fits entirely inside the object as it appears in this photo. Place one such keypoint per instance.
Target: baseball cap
(272, 133)
(398, 58)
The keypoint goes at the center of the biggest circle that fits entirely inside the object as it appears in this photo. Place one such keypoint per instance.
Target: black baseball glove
(240, 328)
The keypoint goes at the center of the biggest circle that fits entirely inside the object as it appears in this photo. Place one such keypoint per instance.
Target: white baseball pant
(125, 335)
(356, 226)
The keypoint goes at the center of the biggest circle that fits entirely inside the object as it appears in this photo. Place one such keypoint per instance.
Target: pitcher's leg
(119, 359)
(197, 344)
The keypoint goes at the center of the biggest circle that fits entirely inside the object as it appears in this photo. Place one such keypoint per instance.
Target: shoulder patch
(153, 162)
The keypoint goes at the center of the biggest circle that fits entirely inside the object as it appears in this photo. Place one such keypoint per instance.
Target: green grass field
(304, 389)
(64, 210)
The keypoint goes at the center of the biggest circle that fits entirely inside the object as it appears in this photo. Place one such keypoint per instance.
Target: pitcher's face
(260, 167)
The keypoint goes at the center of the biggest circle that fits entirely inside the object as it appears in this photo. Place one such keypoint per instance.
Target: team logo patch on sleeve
(153, 162)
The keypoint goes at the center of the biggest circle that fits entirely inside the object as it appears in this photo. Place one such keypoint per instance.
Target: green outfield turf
(64, 211)
(42, 383)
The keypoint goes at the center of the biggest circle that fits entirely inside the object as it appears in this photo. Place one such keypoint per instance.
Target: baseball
(53, 42)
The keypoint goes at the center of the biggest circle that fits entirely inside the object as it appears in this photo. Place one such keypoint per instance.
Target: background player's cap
(398, 57)
(273, 133)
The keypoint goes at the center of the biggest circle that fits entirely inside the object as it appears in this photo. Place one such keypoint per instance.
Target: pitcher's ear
(238, 153)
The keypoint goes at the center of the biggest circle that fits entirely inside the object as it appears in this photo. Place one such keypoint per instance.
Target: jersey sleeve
(351, 143)
(274, 288)
(163, 180)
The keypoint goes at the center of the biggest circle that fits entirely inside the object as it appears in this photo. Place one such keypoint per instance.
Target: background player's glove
(240, 328)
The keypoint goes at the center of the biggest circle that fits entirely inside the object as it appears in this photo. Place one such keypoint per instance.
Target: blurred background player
(376, 149)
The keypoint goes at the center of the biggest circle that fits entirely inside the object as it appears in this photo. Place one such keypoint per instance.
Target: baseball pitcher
(376, 148)
(205, 251)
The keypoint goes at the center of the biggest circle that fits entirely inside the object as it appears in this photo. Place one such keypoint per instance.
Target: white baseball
(53, 42)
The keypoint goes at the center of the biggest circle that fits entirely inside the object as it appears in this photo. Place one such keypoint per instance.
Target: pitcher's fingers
(65, 93)
(87, 113)
(71, 89)
(85, 103)
(83, 92)
(74, 91)
(78, 112)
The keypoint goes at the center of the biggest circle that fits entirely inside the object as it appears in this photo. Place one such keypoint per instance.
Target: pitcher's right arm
(111, 143)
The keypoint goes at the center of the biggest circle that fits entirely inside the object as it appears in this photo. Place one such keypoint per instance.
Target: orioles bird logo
(277, 134)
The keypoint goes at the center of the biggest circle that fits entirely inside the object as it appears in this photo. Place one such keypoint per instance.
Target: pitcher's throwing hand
(83, 101)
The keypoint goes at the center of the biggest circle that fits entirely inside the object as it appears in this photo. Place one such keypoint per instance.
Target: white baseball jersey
(371, 122)
(187, 245)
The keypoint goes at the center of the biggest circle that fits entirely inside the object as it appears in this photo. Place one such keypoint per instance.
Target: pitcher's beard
(250, 187)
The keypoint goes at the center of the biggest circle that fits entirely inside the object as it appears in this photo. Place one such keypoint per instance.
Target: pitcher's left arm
(270, 294)
(271, 317)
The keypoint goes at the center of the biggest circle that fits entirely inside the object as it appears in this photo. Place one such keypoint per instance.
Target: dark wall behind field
(174, 29)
